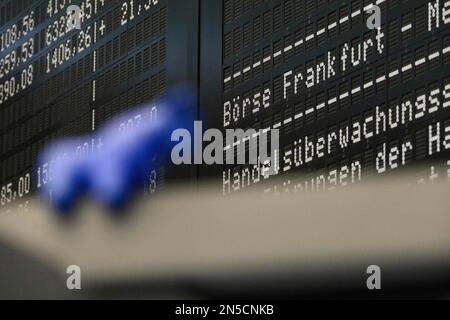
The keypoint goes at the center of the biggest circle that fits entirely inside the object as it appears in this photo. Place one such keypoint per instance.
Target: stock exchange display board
(59, 81)
(349, 101)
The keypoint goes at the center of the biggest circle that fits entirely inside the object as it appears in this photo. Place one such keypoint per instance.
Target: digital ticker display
(349, 101)
(59, 81)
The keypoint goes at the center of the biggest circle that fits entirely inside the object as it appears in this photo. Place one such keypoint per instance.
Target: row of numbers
(60, 27)
(16, 58)
(16, 84)
(17, 31)
(88, 7)
(133, 8)
(15, 190)
(69, 49)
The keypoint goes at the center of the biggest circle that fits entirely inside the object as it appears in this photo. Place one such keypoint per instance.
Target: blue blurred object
(113, 173)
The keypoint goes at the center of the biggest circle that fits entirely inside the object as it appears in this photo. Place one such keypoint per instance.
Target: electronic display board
(350, 102)
(59, 81)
